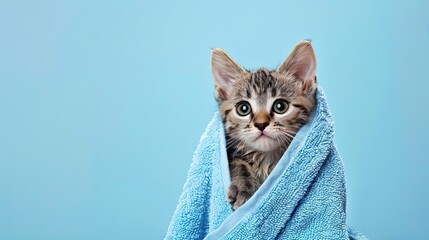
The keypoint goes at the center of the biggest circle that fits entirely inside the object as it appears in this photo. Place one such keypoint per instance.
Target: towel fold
(304, 197)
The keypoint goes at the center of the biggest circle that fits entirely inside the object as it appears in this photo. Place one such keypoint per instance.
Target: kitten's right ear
(301, 63)
(225, 72)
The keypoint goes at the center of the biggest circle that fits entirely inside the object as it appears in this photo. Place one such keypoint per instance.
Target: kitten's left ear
(301, 63)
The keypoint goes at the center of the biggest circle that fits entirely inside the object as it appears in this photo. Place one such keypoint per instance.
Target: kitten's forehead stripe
(248, 93)
(273, 92)
(261, 84)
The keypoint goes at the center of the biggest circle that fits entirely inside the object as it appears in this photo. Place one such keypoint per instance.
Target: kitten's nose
(261, 121)
(261, 126)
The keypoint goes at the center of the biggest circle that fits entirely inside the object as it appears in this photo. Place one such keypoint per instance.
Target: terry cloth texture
(304, 197)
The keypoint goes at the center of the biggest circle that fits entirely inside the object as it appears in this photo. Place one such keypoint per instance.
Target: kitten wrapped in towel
(266, 166)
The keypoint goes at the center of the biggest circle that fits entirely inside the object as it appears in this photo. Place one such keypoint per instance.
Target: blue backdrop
(102, 105)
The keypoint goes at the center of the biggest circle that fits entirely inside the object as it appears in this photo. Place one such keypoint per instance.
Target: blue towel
(304, 197)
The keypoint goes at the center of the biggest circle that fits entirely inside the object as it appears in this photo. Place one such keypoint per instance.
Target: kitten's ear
(225, 72)
(301, 63)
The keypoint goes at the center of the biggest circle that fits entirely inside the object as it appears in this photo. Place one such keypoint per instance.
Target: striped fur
(255, 142)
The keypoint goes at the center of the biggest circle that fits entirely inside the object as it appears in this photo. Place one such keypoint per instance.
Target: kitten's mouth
(263, 142)
(262, 136)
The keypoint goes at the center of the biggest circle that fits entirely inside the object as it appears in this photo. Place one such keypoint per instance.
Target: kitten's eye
(280, 106)
(243, 108)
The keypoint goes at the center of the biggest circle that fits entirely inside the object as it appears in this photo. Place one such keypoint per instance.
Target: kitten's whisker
(285, 140)
(291, 134)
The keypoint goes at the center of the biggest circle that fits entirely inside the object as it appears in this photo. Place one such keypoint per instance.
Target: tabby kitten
(261, 110)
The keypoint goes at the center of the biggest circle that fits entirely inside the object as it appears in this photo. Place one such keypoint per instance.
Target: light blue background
(102, 105)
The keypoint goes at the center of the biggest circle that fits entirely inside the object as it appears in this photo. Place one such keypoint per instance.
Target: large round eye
(280, 106)
(243, 108)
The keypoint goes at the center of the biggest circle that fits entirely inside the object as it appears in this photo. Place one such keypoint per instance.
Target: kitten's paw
(236, 196)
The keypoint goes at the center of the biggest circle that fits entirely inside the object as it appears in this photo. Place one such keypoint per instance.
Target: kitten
(261, 110)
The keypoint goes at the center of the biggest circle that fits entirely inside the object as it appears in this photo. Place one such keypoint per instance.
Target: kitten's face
(262, 110)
